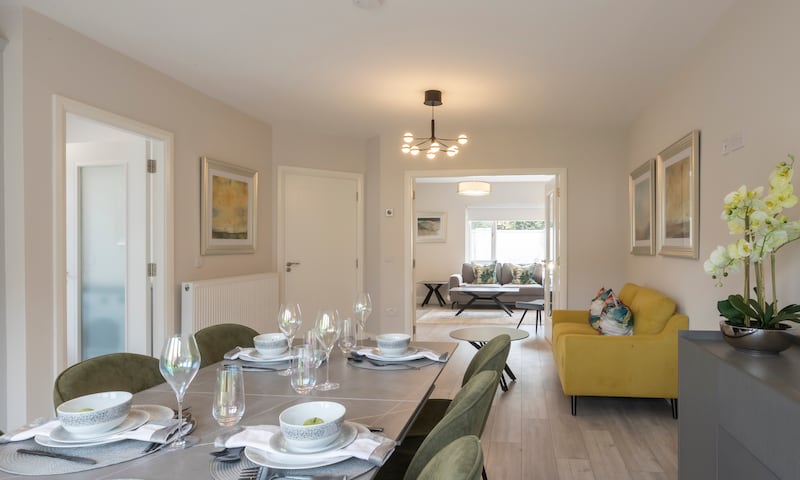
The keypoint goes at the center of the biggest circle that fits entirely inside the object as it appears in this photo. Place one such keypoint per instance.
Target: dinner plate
(378, 355)
(157, 413)
(253, 355)
(135, 419)
(348, 433)
(267, 459)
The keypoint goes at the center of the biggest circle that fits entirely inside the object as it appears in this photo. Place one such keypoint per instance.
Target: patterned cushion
(608, 315)
(523, 274)
(485, 274)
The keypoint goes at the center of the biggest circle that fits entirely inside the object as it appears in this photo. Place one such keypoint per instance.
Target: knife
(44, 453)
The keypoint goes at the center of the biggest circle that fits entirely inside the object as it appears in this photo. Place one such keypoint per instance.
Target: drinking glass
(228, 406)
(362, 307)
(327, 330)
(347, 339)
(289, 322)
(304, 369)
(179, 363)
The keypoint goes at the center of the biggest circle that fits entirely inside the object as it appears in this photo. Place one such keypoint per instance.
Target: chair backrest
(467, 415)
(491, 356)
(128, 372)
(215, 340)
(462, 459)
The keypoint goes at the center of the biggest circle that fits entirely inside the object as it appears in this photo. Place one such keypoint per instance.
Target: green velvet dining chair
(467, 416)
(214, 341)
(128, 372)
(462, 459)
(492, 356)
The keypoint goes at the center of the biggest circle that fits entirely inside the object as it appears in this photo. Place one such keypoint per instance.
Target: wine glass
(229, 406)
(347, 339)
(362, 307)
(304, 369)
(289, 321)
(327, 330)
(179, 363)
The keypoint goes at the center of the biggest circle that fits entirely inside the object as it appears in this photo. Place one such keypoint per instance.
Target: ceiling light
(432, 145)
(474, 189)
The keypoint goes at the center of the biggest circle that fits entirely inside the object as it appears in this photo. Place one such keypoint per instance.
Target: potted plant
(754, 323)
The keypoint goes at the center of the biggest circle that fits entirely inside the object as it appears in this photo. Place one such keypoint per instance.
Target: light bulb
(434, 147)
(452, 151)
(406, 148)
(462, 139)
(414, 150)
(431, 155)
(408, 137)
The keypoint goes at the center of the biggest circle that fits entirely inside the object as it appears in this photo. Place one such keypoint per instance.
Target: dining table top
(385, 398)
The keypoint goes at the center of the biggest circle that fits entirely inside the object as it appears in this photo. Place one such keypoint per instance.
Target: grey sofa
(504, 274)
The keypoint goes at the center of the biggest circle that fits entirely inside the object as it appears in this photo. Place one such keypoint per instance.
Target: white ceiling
(333, 67)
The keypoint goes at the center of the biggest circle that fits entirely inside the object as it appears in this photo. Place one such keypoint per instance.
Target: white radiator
(250, 300)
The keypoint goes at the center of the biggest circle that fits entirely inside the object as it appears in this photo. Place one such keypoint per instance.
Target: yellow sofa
(644, 364)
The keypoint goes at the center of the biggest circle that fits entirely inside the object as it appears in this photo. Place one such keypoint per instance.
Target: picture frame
(228, 216)
(642, 213)
(678, 177)
(431, 227)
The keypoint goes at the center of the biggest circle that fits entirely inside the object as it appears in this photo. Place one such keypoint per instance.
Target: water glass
(229, 406)
(304, 369)
(347, 339)
(362, 307)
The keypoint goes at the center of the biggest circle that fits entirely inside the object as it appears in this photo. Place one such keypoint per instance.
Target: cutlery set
(264, 473)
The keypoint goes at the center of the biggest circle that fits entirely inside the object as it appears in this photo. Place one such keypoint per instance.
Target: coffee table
(479, 336)
(485, 293)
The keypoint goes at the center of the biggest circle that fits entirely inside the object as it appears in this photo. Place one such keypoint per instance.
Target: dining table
(385, 398)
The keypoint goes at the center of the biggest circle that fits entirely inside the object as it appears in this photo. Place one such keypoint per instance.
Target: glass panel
(102, 234)
(480, 241)
(520, 241)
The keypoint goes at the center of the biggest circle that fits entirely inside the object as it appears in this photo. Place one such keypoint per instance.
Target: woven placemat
(108, 454)
(408, 365)
(352, 467)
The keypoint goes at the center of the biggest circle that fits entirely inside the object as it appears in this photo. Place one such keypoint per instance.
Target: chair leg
(574, 399)
(483, 474)
(673, 402)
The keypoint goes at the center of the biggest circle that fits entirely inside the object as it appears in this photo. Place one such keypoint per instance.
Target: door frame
(283, 171)
(162, 248)
(409, 287)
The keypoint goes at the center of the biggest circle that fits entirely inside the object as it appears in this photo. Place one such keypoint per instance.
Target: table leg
(471, 301)
(502, 305)
(439, 295)
(538, 320)
(523, 317)
(428, 296)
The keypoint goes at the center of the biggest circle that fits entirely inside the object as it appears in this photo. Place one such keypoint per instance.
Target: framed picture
(679, 202)
(228, 208)
(641, 190)
(431, 227)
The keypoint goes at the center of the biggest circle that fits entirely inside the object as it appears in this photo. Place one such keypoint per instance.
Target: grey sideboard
(739, 414)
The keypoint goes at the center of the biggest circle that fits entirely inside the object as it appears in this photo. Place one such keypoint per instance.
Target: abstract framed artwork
(228, 208)
(641, 191)
(678, 176)
(431, 227)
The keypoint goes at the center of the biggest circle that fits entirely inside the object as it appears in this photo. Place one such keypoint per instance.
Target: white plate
(266, 459)
(345, 438)
(378, 355)
(253, 355)
(157, 412)
(135, 419)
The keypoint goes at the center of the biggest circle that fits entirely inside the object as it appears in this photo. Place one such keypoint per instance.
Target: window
(516, 241)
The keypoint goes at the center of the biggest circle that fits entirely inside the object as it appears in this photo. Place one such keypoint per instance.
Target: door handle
(289, 265)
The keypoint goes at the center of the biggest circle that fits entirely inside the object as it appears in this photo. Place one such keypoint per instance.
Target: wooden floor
(531, 434)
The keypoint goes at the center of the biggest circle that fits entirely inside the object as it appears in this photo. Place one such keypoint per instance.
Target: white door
(108, 228)
(320, 240)
(552, 277)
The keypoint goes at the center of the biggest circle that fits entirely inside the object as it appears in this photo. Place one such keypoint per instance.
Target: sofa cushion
(485, 274)
(651, 309)
(608, 315)
(522, 274)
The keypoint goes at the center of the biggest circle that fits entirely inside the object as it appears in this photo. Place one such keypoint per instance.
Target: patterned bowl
(270, 344)
(95, 413)
(393, 344)
(307, 437)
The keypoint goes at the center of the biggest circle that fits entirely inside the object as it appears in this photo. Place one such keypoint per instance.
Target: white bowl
(270, 344)
(393, 344)
(307, 437)
(94, 413)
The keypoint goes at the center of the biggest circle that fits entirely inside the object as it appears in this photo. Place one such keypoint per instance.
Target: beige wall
(52, 59)
(743, 78)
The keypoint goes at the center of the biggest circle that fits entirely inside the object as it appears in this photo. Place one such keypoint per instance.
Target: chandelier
(432, 145)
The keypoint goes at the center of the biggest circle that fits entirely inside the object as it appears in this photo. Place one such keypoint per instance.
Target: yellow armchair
(644, 364)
